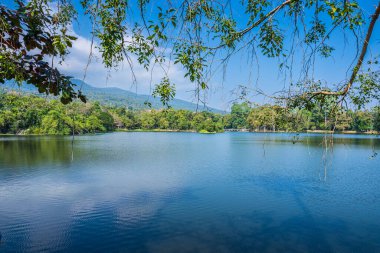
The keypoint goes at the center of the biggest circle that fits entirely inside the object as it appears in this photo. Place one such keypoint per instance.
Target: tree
(376, 118)
(93, 124)
(298, 119)
(148, 120)
(183, 120)
(239, 113)
(362, 121)
(267, 117)
(194, 33)
(55, 123)
(29, 34)
(343, 120)
(163, 123)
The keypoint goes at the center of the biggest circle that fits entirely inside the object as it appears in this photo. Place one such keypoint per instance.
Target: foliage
(376, 118)
(35, 115)
(362, 121)
(196, 33)
(369, 88)
(31, 34)
(239, 113)
(165, 90)
(275, 118)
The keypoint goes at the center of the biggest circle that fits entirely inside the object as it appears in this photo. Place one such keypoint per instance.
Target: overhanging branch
(262, 19)
(258, 22)
(359, 63)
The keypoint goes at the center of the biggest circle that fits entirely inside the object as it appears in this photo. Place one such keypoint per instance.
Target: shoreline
(203, 132)
(155, 130)
(305, 132)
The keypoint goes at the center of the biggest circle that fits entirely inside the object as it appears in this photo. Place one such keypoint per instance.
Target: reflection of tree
(34, 151)
(328, 145)
(315, 140)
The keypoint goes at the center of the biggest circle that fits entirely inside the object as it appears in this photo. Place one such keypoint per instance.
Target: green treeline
(277, 118)
(35, 115)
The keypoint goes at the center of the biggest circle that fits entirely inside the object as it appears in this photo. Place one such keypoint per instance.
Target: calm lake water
(186, 192)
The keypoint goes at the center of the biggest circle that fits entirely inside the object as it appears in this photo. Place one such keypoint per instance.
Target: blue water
(186, 192)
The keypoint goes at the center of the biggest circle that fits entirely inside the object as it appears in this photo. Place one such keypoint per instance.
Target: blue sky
(241, 70)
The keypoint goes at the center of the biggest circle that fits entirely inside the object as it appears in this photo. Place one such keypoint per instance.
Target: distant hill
(116, 96)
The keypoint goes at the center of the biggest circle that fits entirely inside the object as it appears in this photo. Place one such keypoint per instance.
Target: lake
(187, 192)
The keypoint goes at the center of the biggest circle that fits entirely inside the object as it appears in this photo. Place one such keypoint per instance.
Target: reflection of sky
(79, 190)
(154, 191)
(51, 206)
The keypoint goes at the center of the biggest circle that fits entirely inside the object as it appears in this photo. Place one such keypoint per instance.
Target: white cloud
(97, 75)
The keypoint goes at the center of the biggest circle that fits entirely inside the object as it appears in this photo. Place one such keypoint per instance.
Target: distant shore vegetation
(29, 114)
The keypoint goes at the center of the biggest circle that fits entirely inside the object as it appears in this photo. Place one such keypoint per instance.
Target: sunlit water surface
(185, 192)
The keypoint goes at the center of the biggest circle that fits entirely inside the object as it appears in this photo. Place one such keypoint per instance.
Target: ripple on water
(159, 192)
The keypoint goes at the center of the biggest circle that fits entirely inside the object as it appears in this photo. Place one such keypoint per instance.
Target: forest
(30, 114)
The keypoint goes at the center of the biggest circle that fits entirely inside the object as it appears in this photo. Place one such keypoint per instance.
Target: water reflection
(311, 139)
(177, 192)
(34, 151)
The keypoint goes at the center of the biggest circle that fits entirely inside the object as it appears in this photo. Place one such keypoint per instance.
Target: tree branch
(258, 22)
(359, 63)
(262, 19)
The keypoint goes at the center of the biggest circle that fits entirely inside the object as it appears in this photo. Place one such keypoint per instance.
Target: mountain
(112, 96)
